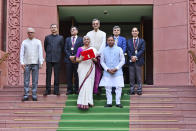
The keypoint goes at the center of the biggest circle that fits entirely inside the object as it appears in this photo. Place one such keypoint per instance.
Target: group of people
(84, 76)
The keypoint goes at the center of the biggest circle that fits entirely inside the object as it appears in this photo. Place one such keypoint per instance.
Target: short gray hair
(86, 37)
(30, 29)
(73, 27)
(116, 27)
(53, 25)
(95, 19)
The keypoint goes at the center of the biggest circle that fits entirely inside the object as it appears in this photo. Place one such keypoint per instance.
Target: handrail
(4, 58)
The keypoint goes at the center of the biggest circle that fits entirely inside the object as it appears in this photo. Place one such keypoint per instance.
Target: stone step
(164, 106)
(22, 92)
(54, 129)
(166, 95)
(19, 89)
(31, 102)
(43, 110)
(160, 129)
(25, 104)
(15, 124)
(158, 117)
(30, 129)
(161, 99)
(40, 98)
(13, 117)
(175, 125)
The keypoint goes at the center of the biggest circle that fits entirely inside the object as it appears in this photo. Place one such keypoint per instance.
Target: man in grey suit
(135, 51)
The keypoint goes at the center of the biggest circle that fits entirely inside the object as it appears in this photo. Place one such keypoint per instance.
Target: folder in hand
(88, 54)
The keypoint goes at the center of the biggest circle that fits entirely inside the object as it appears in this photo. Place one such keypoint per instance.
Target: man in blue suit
(119, 40)
(135, 51)
(71, 46)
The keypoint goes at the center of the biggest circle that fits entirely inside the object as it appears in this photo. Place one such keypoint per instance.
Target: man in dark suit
(53, 45)
(135, 51)
(71, 46)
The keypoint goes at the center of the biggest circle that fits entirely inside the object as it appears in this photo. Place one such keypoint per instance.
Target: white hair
(30, 29)
(95, 19)
(86, 37)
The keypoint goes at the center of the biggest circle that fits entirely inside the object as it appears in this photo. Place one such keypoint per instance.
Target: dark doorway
(142, 19)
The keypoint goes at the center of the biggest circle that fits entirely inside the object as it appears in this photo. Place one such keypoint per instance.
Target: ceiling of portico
(84, 14)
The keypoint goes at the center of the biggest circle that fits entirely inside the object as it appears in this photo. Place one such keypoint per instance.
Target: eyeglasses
(95, 23)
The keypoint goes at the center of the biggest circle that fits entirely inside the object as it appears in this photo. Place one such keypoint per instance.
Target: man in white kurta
(97, 37)
(98, 41)
(112, 60)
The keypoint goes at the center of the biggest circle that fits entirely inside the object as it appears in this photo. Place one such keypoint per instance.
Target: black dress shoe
(34, 99)
(69, 92)
(119, 105)
(131, 93)
(46, 93)
(108, 105)
(25, 99)
(139, 93)
(56, 93)
(113, 90)
(76, 92)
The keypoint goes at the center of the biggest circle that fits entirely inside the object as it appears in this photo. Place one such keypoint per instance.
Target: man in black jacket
(71, 46)
(53, 45)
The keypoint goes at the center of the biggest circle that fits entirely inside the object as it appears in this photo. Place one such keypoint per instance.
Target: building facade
(173, 34)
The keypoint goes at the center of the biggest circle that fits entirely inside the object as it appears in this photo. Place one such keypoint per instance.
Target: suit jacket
(53, 45)
(122, 43)
(68, 45)
(140, 51)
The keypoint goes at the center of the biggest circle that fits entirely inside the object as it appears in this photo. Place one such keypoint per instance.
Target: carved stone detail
(13, 41)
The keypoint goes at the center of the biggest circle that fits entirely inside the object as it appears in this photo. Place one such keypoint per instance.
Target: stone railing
(193, 74)
(2, 69)
(4, 58)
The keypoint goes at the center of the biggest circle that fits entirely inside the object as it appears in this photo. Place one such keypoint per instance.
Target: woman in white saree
(86, 75)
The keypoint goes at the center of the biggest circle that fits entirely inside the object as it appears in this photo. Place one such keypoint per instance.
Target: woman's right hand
(81, 58)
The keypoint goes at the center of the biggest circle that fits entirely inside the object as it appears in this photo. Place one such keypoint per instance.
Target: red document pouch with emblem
(88, 54)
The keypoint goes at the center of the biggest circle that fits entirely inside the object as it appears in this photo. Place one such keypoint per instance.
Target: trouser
(135, 71)
(109, 94)
(34, 68)
(49, 66)
(71, 70)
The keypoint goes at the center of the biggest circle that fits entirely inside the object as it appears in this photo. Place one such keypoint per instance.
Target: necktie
(73, 39)
(134, 43)
(116, 41)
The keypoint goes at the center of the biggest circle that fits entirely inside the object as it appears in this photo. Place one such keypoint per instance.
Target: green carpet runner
(97, 118)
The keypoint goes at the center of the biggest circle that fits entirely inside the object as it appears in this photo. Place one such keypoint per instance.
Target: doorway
(124, 16)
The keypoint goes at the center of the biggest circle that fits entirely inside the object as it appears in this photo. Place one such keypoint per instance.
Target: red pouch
(88, 54)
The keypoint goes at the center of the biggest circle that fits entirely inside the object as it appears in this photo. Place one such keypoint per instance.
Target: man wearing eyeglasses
(135, 51)
(31, 59)
(98, 41)
(70, 49)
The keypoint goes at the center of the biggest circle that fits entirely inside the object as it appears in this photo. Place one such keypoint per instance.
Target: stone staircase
(42, 115)
(164, 108)
(160, 108)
